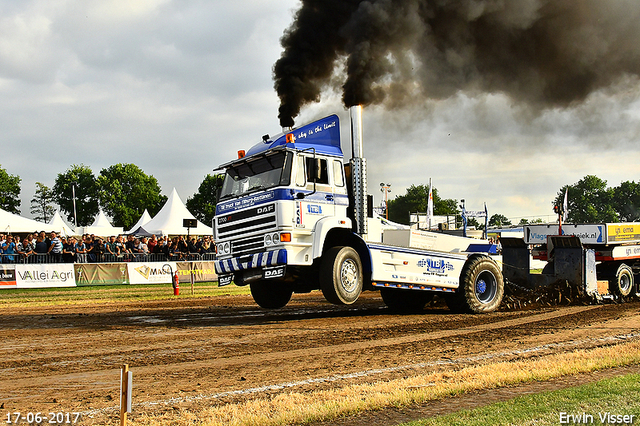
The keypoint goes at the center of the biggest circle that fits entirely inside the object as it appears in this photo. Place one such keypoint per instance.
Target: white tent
(13, 223)
(145, 218)
(101, 227)
(60, 225)
(169, 220)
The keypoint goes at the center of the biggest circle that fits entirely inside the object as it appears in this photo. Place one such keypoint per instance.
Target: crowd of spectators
(41, 247)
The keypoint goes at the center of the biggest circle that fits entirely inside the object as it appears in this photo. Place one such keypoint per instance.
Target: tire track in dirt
(108, 379)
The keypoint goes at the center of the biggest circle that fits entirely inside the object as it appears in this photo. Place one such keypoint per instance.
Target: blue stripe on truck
(258, 260)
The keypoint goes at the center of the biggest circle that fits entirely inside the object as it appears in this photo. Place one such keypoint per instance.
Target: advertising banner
(7, 276)
(150, 272)
(45, 275)
(624, 232)
(202, 272)
(588, 234)
(101, 273)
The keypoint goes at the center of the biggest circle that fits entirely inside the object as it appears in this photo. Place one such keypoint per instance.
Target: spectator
(9, 249)
(24, 249)
(112, 249)
(98, 249)
(120, 245)
(40, 248)
(130, 245)
(152, 243)
(182, 245)
(89, 244)
(81, 251)
(141, 247)
(68, 250)
(55, 248)
(191, 245)
(46, 239)
(161, 246)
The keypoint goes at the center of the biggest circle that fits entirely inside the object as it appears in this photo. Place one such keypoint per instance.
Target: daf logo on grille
(267, 209)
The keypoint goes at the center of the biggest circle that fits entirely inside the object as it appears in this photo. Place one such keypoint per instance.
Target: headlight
(224, 248)
(276, 238)
(267, 240)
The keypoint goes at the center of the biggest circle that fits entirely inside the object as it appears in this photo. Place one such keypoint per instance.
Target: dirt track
(198, 351)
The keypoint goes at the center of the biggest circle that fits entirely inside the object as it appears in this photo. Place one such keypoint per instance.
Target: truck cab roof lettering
(323, 135)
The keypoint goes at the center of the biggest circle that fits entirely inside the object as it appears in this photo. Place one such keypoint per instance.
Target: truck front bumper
(228, 267)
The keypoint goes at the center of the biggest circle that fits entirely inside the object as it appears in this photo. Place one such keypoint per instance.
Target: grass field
(110, 294)
(609, 401)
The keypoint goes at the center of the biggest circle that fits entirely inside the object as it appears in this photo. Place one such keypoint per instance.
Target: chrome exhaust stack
(358, 170)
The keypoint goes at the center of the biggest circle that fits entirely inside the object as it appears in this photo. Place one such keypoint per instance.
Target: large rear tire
(270, 294)
(623, 283)
(341, 278)
(401, 300)
(481, 287)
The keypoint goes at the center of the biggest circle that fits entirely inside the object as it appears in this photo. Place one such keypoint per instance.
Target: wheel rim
(349, 276)
(625, 283)
(486, 287)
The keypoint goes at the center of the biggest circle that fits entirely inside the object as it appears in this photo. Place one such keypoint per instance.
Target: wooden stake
(125, 393)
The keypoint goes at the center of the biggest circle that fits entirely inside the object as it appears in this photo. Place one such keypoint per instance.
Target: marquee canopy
(169, 220)
(12, 224)
(101, 227)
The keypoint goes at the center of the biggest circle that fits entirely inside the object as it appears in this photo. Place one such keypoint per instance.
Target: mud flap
(277, 272)
(224, 280)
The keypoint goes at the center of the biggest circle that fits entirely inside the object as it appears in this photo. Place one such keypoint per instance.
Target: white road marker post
(126, 383)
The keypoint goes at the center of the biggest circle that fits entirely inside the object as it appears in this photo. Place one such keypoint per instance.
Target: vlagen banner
(101, 274)
(7, 276)
(45, 275)
(150, 272)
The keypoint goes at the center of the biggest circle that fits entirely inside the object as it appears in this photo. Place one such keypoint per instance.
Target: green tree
(499, 220)
(627, 201)
(125, 191)
(41, 206)
(79, 179)
(589, 201)
(416, 200)
(9, 192)
(203, 203)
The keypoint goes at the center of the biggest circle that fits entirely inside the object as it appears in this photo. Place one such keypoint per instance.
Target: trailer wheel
(405, 300)
(623, 283)
(270, 294)
(341, 278)
(481, 287)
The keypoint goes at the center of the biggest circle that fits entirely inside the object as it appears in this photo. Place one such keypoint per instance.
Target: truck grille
(246, 228)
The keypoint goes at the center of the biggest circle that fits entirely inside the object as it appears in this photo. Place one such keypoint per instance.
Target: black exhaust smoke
(540, 53)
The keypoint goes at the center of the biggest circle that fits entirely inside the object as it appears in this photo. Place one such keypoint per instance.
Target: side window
(317, 168)
(338, 177)
(300, 173)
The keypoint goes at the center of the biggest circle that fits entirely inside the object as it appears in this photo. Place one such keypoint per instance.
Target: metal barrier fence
(104, 258)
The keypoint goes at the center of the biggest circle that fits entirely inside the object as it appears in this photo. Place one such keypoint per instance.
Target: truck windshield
(257, 173)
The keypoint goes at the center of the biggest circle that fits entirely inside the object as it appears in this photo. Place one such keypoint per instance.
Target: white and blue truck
(293, 216)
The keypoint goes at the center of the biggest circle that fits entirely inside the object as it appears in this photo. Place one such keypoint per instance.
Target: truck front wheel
(341, 278)
(270, 294)
(481, 287)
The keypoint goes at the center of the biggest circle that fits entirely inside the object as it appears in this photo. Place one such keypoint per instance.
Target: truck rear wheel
(341, 278)
(401, 300)
(270, 294)
(623, 283)
(481, 287)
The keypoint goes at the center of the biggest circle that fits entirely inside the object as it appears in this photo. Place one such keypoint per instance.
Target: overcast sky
(177, 87)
